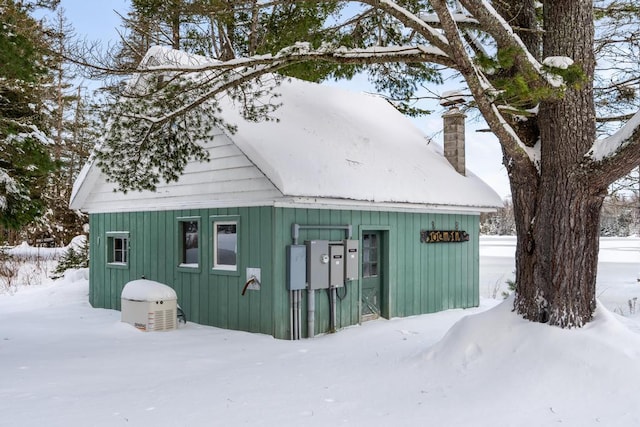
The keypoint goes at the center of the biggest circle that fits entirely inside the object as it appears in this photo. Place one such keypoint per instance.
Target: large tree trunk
(556, 257)
(558, 211)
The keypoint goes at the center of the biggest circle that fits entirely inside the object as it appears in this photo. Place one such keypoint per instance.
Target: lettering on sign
(443, 236)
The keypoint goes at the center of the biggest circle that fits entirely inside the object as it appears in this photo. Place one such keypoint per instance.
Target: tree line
(620, 218)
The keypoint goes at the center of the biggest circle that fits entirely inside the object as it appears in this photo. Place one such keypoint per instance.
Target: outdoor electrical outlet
(254, 272)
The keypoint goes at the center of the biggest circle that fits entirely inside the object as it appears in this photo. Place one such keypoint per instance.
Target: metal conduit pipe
(311, 296)
(296, 299)
(311, 313)
(332, 301)
(291, 315)
(295, 230)
(299, 312)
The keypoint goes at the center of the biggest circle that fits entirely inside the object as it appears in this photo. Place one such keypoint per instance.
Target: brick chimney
(454, 138)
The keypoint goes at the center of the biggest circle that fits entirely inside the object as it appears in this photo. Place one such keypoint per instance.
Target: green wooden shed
(342, 179)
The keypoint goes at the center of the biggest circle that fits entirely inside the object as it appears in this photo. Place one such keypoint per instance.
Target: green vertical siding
(206, 297)
(418, 278)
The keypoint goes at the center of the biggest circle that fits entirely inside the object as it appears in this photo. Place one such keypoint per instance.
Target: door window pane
(374, 269)
(370, 255)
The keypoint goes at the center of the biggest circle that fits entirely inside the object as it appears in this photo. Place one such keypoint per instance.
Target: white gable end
(228, 178)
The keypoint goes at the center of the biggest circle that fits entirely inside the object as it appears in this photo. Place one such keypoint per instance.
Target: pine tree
(74, 257)
(226, 30)
(67, 126)
(24, 159)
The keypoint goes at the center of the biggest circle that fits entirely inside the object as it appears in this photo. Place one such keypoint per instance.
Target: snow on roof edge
(77, 199)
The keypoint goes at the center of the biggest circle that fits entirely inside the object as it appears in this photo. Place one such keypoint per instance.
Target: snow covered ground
(63, 363)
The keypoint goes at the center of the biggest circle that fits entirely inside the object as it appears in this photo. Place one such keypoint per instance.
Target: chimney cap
(452, 98)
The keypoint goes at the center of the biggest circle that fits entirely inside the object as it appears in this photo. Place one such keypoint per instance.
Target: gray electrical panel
(351, 260)
(296, 267)
(336, 270)
(318, 264)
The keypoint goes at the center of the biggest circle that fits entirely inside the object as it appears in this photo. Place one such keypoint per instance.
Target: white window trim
(181, 221)
(189, 265)
(224, 267)
(111, 236)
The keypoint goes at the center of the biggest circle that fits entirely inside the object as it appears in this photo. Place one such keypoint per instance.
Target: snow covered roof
(330, 143)
(337, 144)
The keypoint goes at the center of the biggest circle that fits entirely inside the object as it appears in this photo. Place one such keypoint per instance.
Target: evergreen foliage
(27, 167)
(73, 133)
(46, 131)
(73, 258)
(148, 143)
(521, 90)
(511, 288)
(156, 125)
(24, 159)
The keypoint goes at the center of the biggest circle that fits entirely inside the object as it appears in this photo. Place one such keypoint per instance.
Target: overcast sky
(98, 20)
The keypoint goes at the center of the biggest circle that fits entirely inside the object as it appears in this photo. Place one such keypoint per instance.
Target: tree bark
(558, 215)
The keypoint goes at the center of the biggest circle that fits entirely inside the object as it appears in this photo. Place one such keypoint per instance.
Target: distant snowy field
(618, 270)
(63, 363)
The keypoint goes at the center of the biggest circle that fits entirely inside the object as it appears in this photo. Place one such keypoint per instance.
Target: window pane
(374, 269)
(119, 249)
(190, 242)
(370, 255)
(124, 250)
(226, 244)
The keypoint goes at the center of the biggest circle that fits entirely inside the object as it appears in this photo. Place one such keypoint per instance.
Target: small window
(118, 248)
(225, 245)
(189, 243)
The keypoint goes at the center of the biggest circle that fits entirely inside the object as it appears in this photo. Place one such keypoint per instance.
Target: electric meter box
(336, 269)
(351, 260)
(317, 264)
(296, 267)
(149, 305)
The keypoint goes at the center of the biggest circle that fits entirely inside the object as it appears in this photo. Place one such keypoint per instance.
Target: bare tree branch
(616, 155)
